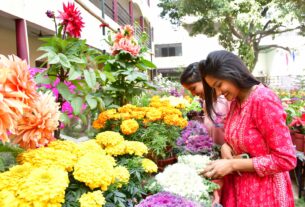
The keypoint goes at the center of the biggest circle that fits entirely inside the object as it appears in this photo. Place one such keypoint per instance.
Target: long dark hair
(190, 74)
(226, 66)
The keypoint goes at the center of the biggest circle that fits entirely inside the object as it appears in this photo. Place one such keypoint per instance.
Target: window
(168, 50)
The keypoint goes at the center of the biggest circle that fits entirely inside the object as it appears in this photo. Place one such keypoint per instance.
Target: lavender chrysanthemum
(165, 199)
(195, 138)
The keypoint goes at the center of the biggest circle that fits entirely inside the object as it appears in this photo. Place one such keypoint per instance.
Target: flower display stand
(162, 163)
(298, 140)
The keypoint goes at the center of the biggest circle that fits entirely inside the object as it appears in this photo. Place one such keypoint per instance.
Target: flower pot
(298, 140)
(164, 162)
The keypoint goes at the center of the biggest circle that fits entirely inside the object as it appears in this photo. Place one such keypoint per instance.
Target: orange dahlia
(35, 128)
(17, 89)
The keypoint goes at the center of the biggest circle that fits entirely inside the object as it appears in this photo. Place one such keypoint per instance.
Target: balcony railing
(108, 5)
(123, 15)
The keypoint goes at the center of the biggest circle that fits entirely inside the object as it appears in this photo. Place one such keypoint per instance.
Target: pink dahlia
(128, 45)
(71, 19)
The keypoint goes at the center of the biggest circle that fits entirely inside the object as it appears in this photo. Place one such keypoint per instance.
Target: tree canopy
(240, 25)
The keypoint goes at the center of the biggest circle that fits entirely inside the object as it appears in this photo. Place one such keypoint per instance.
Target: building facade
(23, 22)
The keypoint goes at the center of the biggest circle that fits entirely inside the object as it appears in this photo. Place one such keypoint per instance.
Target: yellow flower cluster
(89, 146)
(114, 144)
(157, 111)
(31, 186)
(121, 175)
(67, 146)
(92, 199)
(136, 148)
(95, 170)
(41, 179)
(175, 120)
(129, 126)
(109, 138)
(48, 157)
(149, 166)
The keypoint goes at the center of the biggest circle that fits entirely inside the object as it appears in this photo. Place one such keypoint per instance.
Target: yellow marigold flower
(121, 175)
(89, 146)
(149, 166)
(125, 116)
(154, 115)
(95, 170)
(92, 199)
(126, 108)
(11, 179)
(45, 157)
(46, 185)
(180, 106)
(65, 145)
(170, 111)
(8, 199)
(138, 114)
(136, 148)
(116, 150)
(109, 138)
(129, 126)
(182, 123)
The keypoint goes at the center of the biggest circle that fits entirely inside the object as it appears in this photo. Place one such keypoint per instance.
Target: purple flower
(165, 199)
(50, 14)
(195, 138)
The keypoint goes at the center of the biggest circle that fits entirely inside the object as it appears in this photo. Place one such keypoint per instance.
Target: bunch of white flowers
(175, 101)
(197, 162)
(183, 180)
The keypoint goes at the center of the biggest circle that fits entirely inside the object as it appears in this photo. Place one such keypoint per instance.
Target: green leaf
(64, 91)
(90, 78)
(43, 56)
(77, 60)
(74, 74)
(77, 105)
(92, 102)
(41, 78)
(64, 118)
(53, 58)
(148, 63)
(109, 76)
(64, 60)
(47, 49)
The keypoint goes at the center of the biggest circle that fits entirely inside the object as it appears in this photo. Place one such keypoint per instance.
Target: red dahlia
(71, 19)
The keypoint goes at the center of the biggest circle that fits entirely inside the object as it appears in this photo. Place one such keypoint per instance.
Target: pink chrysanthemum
(17, 89)
(35, 128)
(127, 45)
(71, 19)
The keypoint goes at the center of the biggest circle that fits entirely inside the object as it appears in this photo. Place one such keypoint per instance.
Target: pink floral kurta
(258, 128)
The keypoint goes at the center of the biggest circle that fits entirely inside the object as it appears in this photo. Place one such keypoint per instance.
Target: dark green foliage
(8, 154)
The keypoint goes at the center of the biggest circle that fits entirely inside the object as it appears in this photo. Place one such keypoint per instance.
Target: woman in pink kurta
(190, 79)
(255, 125)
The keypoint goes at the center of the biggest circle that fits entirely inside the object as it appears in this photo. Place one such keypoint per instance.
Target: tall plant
(70, 62)
(128, 65)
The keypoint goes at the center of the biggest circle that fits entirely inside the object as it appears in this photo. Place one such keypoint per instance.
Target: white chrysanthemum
(197, 162)
(175, 101)
(182, 180)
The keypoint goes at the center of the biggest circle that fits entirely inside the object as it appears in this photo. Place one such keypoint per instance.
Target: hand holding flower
(218, 169)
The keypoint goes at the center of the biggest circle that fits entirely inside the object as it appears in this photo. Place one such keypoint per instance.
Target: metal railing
(123, 15)
(108, 6)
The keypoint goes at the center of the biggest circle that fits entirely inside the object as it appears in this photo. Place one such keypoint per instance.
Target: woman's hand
(218, 169)
(226, 151)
